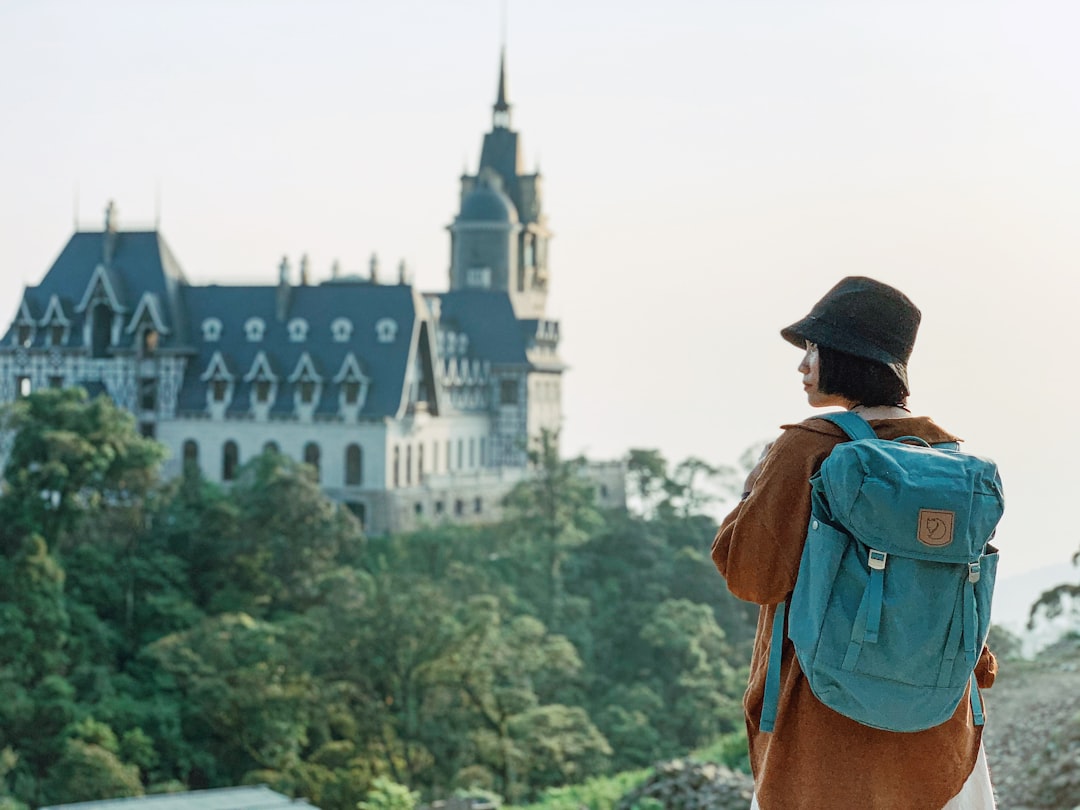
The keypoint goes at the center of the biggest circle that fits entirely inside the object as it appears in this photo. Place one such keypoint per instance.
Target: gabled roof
(140, 263)
(363, 304)
(487, 317)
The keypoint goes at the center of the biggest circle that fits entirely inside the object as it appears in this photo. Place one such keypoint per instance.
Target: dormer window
(219, 381)
(56, 323)
(341, 329)
(353, 384)
(24, 335)
(211, 330)
(350, 391)
(261, 391)
(307, 381)
(263, 382)
(386, 330)
(463, 344)
(298, 330)
(149, 341)
(254, 328)
(219, 389)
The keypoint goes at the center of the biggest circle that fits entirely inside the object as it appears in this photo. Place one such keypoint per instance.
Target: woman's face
(810, 367)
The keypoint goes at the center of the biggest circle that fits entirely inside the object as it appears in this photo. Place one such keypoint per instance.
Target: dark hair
(864, 382)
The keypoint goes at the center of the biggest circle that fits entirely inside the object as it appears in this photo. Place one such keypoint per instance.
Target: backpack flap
(917, 502)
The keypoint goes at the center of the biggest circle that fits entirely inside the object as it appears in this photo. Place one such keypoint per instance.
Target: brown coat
(817, 759)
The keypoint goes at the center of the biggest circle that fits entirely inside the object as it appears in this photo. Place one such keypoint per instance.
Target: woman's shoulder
(818, 430)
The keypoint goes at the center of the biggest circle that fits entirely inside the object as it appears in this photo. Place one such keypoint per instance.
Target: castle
(412, 407)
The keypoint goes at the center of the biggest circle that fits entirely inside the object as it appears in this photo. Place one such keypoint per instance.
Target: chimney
(108, 247)
(284, 289)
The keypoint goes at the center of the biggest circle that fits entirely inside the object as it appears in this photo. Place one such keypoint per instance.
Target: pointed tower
(499, 239)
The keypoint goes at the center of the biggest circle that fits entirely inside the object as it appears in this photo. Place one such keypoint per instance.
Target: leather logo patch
(936, 527)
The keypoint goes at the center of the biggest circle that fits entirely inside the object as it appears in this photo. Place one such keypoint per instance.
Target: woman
(857, 341)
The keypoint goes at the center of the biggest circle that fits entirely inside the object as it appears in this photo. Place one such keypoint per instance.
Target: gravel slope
(1032, 734)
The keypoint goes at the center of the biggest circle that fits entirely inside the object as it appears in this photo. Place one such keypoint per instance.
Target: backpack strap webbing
(772, 673)
(976, 704)
(851, 423)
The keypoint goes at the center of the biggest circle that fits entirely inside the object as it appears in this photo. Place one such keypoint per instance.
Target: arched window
(230, 459)
(191, 453)
(358, 509)
(408, 464)
(101, 334)
(420, 463)
(354, 466)
(311, 456)
(271, 447)
(397, 466)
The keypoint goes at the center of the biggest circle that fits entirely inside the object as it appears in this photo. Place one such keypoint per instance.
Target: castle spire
(501, 111)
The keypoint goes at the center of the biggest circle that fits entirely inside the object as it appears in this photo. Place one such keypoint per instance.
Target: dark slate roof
(385, 364)
(501, 153)
(141, 263)
(487, 317)
(487, 204)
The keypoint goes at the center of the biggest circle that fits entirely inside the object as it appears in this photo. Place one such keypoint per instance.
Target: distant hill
(1013, 596)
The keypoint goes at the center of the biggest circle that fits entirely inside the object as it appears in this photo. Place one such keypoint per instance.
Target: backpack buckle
(877, 559)
(974, 572)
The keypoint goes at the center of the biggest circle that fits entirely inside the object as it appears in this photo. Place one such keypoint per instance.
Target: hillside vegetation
(166, 636)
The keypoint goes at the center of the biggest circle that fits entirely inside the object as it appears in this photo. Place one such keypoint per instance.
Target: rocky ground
(1033, 731)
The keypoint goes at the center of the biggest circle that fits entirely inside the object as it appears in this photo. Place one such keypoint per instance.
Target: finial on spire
(283, 270)
(374, 265)
(501, 111)
(110, 217)
(304, 270)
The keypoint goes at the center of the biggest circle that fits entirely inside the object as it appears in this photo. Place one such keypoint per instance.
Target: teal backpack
(892, 603)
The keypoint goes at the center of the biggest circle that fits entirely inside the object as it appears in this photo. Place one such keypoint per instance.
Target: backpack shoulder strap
(851, 423)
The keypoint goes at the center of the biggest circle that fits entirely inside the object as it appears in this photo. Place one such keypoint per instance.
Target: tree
(691, 672)
(288, 540)
(69, 456)
(505, 668)
(1061, 600)
(558, 745)
(388, 795)
(243, 689)
(555, 511)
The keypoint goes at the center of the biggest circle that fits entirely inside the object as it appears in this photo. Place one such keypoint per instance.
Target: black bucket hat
(863, 317)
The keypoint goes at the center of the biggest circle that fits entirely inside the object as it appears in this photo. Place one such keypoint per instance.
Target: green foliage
(165, 637)
(598, 793)
(730, 750)
(70, 457)
(87, 771)
(386, 794)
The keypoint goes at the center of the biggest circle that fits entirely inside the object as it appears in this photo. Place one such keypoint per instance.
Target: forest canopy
(169, 635)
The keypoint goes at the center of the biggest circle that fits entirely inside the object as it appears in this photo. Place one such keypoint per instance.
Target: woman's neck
(880, 411)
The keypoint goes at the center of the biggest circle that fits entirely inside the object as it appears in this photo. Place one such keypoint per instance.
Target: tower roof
(487, 202)
(501, 104)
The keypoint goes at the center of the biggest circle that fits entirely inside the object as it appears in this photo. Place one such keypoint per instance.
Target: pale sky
(711, 168)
